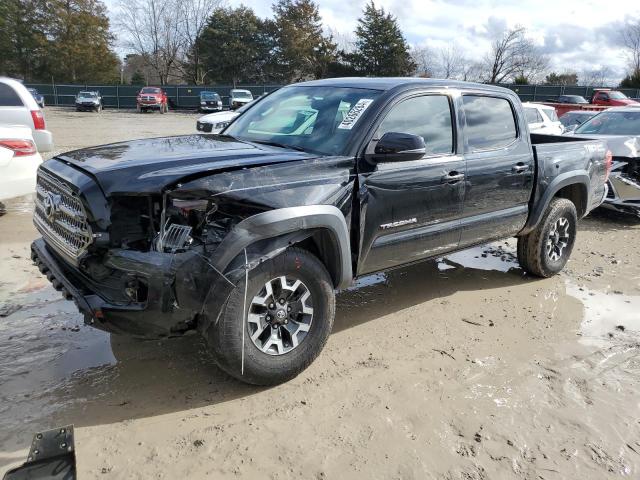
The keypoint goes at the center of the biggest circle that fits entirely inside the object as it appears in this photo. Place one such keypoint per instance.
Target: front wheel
(284, 324)
(546, 250)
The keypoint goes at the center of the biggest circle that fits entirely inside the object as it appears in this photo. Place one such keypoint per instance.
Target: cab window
(491, 123)
(428, 116)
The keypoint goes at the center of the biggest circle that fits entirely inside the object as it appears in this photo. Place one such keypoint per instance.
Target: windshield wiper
(281, 145)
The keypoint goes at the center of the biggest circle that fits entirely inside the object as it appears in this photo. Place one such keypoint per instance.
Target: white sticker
(355, 113)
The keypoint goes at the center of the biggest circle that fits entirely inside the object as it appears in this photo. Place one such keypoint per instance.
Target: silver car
(620, 128)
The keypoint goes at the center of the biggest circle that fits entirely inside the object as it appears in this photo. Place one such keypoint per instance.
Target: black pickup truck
(245, 236)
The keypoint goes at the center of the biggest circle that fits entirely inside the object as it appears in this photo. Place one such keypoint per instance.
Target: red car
(152, 98)
(611, 98)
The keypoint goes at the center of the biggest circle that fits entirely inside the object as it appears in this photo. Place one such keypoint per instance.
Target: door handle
(452, 177)
(519, 168)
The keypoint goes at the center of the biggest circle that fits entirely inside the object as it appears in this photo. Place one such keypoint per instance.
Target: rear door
(410, 210)
(499, 168)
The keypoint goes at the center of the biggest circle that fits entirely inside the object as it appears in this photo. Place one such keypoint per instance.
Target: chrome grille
(61, 218)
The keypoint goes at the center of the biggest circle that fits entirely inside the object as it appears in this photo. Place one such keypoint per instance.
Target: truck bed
(567, 155)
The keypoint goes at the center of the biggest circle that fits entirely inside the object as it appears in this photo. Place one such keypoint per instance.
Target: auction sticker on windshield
(355, 113)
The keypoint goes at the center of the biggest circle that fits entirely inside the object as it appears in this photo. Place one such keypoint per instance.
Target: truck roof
(387, 83)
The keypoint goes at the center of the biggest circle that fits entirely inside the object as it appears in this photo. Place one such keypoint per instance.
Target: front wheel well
(577, 193)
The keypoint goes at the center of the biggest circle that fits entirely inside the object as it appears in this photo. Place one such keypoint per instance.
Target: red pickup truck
(611, 98)
(152, 98)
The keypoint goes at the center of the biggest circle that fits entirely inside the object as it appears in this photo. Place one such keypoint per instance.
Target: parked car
(574, 118)
(19, 162)
(18, 107)
(152, 98)
(573, 99)
(38, 97)
(88, 101)
(210, 102)
(216, 122)
(243, 237)
(620, 128)
(542, 119)
(611, 98)
(238, 98)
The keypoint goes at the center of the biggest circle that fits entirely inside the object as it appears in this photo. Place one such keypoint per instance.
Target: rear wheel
(287, 318)
(546, 250)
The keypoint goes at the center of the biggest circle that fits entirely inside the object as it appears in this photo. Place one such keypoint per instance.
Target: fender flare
(564, 180)
(284, 221)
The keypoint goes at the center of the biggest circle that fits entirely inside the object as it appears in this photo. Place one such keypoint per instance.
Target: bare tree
(512, 54)
(471, 71)
(194, 16)
(451, 61)
(424, 58)
(630, 37)
(598, 77)
(153, 31)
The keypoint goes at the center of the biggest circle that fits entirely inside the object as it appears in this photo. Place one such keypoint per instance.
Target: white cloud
(578, 35)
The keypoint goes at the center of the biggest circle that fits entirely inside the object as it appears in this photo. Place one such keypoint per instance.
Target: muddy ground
(460, 368)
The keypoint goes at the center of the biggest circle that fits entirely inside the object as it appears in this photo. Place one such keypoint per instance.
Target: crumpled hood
(150, 165)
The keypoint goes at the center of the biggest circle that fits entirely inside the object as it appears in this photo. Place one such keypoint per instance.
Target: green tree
(235, 46)
(521, 80)
(22, 38)
(569, 78)
(381, 49)
(137, 78)
(302, 50)
(632, 80)
(80, 42)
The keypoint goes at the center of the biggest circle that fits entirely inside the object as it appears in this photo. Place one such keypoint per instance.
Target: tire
(3, 209)
(138, 109)
(261, 368)
(541, 252)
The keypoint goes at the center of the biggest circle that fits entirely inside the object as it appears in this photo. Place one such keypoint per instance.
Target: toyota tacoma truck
(245, 236)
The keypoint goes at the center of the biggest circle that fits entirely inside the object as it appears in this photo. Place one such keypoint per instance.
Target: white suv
(18, 107)
(542, 119)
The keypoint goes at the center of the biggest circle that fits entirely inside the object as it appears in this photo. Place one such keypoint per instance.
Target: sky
(577, 35)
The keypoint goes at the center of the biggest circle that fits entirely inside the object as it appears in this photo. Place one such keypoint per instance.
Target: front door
(410, 210)
(500, 168)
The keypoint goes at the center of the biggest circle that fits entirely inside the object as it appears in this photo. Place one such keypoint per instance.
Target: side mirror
(398, 147)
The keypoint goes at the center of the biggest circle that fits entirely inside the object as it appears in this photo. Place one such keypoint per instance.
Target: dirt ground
(459, 368)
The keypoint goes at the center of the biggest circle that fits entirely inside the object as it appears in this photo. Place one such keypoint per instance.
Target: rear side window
(490, 122)
(428, 116)
(9, 97)
(532, 115)
(551, 113)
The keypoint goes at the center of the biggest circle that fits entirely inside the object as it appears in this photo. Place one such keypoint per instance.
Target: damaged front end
(623, 193)
(152, 264)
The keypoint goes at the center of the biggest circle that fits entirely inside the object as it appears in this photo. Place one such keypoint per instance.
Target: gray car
(620, 128)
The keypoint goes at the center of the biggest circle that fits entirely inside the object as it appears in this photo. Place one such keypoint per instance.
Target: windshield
(237, 94)
(612, 123)
(209, 96)
(150, 90)
(88, 94)
(617, 95)
(314, 119)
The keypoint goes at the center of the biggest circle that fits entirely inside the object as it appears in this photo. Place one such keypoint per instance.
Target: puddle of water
(500, 256)
(605, 314)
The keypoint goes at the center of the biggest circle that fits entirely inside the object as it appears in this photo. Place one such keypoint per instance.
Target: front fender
(282, 221)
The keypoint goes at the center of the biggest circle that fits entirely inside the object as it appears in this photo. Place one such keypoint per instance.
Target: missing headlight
(174, 238)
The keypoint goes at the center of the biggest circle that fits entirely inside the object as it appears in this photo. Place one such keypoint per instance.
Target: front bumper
(179, 289)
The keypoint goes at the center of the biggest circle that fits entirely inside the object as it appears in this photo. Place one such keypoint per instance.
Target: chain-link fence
(124, 96)
(188, 96)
